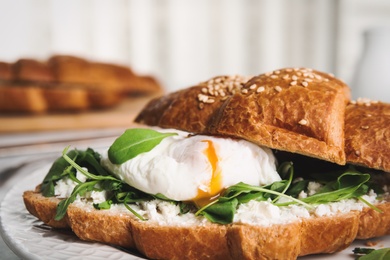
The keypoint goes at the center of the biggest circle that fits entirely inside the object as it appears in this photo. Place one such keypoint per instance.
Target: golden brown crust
(373, 223)
(43, 208)
(21, 99)
(68, 83)
(328, 234)
(191, 109)
(173, 242)
(254, 242)
(101, 226)
(296, 110)
(5, 71)
(367, 134)
(236, 241)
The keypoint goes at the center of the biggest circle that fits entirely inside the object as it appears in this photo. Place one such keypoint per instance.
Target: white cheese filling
(260, 213)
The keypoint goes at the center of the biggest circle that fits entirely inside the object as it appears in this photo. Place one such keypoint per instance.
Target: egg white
(179, 166)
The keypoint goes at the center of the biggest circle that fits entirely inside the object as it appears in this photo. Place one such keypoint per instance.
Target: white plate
(29, 238)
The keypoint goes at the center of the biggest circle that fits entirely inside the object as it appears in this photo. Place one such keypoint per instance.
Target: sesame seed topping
(253, 86)
(244, 91)
(357, 153)
(303, 122)
(305, 83)
(278, 88)
(286, 77)
(294, 77)
(293, 83)
(365, 127)
(260, 89)
(274, 76)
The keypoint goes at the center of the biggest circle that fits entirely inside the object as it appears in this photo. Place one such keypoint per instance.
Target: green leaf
(67, 164)
(103, 205)
(379, 254)
(57, 171)
(348, 185)
(222, 213)
(134, 142)
(62, 207)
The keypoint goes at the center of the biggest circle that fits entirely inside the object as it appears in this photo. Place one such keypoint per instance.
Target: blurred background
(177, 42)
(183, 42)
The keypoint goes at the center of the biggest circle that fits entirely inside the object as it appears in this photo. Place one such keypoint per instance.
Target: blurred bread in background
(68, 83)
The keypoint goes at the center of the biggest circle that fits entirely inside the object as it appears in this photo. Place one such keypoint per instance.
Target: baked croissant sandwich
(276, 166)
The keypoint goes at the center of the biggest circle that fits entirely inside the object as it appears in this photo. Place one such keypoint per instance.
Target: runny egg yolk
(214, 186)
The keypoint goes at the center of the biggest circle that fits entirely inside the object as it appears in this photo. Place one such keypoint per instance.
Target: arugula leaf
(103, 205)
(57, 171)
(134, 142)
(222, 213)
(372, 254)
(348, 185)
(62, 167)
(63, 205)
(220, 210)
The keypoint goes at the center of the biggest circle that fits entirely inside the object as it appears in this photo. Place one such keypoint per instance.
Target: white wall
(187, 41)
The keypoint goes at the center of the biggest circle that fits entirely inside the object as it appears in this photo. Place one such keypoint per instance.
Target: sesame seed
(286, 77)
(303, 122)
(357, 153)
(293, 83)
(294, 77)
(244, 91)
(204, 90)
(278, 88)
(210, 101)
(274, 77)
(253, 86)
(289, 70)
(305, 84)
(365, 127)
(318, 77)
(309, 80)
(201, 105)
(276, 71)
(260, 89)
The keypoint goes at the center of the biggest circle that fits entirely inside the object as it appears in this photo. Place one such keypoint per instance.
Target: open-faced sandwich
(276, 166)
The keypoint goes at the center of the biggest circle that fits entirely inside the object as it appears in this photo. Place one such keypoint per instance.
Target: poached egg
(196, 168)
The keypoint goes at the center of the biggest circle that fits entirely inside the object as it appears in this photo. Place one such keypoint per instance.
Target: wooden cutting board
(119, 116)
